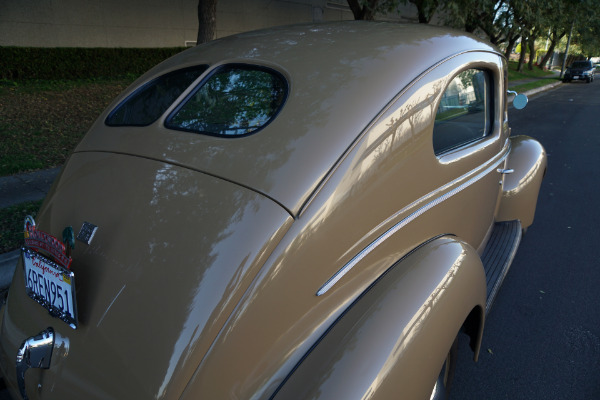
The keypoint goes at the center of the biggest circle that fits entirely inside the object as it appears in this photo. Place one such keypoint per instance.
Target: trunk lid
(174, 251)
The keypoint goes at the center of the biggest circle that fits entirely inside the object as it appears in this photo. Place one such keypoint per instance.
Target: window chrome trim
(411, 217)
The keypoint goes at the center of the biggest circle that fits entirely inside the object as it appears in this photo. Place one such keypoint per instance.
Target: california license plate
(50, 285)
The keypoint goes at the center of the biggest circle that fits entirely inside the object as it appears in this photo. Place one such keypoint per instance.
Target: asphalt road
(542, 336)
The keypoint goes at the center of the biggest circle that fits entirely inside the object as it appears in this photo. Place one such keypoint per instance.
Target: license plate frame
(50, 285)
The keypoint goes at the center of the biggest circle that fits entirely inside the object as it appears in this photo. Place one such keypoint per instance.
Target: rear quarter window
(151, 100)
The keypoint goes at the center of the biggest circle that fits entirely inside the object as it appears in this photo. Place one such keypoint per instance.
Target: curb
(542, 88)
(8, 263)
(536, 90)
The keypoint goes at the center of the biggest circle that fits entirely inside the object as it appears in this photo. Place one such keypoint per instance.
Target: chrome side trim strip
(401, 224)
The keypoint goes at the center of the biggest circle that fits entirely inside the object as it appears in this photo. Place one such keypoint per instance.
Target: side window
(236, 100)
(465, 111)
(149, 102)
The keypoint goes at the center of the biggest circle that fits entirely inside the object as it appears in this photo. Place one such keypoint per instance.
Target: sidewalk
(551, 84)
(16, 189)
(20, 188)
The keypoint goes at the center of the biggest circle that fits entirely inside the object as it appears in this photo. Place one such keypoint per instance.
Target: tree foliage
(366, 9)
(504, 22)
(586, 24)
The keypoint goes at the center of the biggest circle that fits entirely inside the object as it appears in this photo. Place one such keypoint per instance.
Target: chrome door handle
(506, 171)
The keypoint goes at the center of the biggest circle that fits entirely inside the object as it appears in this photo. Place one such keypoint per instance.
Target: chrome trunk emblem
(87, 232)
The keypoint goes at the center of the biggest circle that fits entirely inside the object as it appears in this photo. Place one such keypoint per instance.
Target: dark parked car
(580, 70)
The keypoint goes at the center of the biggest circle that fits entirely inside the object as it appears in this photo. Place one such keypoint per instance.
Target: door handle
(506, 171)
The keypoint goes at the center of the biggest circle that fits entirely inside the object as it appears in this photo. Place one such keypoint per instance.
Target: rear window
(236, 100)
(150, 101)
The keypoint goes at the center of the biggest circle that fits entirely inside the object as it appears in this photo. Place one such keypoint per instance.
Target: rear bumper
(578, 77)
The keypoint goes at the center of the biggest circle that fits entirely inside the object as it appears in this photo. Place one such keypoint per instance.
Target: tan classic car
(313, 211)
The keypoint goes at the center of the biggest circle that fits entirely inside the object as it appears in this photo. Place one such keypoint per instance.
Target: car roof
(341, 75)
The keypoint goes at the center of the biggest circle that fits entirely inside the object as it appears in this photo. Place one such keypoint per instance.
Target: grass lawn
(11, 224)
(41, 122)
(532, 85)
(514, 75)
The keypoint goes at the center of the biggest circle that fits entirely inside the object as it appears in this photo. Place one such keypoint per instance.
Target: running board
(498, 255)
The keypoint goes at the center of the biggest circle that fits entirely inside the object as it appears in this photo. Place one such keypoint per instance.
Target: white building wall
(149, 23)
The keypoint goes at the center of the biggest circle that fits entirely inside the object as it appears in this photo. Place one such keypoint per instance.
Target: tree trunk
(425, 9)
(522, 56)
(510, 45)
(531, 45)
(550, 52)
(365, 12)
(207, 20)
(547, 56)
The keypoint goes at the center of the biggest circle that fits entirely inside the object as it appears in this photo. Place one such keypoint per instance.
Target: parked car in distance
(580, 70)
(315, 211)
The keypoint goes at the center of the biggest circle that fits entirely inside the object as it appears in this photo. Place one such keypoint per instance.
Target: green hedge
(21, 63)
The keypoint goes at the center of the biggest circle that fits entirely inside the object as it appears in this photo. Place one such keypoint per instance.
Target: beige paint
(521, 188)
(202, 279)
(399, 332)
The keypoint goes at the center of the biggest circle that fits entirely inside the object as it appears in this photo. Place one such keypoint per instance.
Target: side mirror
(520, 100)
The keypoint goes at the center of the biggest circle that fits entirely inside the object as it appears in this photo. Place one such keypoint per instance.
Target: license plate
(50, 285)
(575, 76)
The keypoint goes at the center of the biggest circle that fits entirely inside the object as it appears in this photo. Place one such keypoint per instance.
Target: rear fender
(394, 339)
(521, 187)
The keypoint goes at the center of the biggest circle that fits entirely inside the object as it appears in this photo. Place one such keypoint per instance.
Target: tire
(441, 390)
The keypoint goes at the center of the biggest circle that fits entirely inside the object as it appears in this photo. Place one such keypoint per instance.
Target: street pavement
(542, 337)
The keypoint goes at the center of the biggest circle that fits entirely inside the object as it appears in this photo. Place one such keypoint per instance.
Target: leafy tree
(364, 9)
(556, 34)
(425, 9)
(587, 26)
(589, 37)
(489, 16)
(558, 17)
